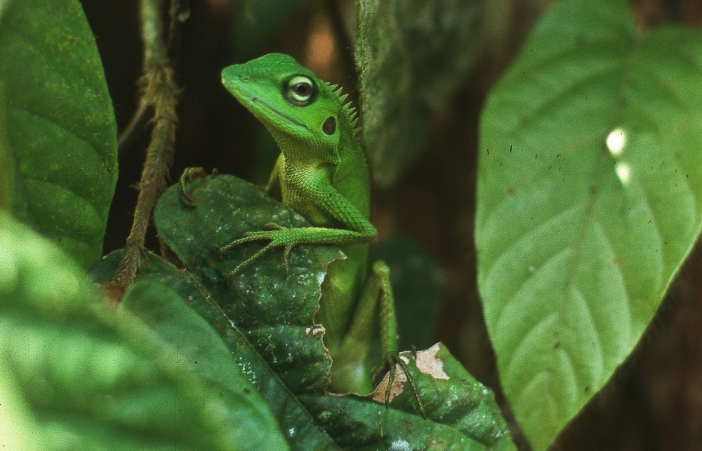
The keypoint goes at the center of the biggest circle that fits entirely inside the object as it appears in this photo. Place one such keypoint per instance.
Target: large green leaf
(269, 373)
(411, 56)
(267, 324)
(60, 123)
(589, 199)
(202, 351)
(80, 377)
(273, 312)
(264, 318)
(16, 422)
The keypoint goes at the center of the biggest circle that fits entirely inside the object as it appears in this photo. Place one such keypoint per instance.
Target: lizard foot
(271, 232)
(188, 175)
(391, 360)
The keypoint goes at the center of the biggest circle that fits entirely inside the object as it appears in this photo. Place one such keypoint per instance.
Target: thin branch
(134, 129)
(158, 92)
(179, 13)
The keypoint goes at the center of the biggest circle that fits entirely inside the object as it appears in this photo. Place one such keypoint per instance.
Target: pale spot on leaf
(429, 363)
(616, 140)
(396, 388)
(623, 172)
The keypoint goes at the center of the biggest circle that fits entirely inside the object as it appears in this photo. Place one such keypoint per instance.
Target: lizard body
(321, 173)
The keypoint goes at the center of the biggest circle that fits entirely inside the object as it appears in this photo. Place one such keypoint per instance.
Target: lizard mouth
(261, 104)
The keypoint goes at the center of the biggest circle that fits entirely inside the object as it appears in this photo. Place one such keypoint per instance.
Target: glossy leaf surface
(60, 125)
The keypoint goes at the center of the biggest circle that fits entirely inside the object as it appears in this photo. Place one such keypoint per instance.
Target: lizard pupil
(302, 89)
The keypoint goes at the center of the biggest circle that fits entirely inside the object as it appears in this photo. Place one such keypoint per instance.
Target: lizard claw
(241, 265)
(189, 174)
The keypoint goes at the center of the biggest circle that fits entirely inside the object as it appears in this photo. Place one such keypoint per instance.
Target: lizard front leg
(358, 230)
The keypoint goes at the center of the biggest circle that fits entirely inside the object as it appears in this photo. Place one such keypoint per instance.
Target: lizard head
(292, 103)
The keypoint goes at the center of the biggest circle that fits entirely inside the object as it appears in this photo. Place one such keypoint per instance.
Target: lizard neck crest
(347, 109)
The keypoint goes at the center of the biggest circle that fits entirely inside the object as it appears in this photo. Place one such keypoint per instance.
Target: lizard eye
(300, 90)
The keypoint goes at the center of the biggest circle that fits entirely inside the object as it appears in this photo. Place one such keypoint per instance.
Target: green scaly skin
(321, 173)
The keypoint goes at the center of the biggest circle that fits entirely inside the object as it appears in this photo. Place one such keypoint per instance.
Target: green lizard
(322, 174)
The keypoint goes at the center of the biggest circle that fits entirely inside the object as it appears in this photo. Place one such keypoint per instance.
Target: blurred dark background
(653, 402)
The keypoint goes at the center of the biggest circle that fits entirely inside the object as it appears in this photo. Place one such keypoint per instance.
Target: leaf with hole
(267, 323)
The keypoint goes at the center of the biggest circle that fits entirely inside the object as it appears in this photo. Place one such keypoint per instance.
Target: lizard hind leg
(378, 293)
(386, 308)
(350, 369)
(392, 360)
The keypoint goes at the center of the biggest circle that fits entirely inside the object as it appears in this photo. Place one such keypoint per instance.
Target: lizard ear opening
(329, 126)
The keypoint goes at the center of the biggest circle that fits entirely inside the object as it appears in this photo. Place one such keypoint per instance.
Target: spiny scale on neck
(349, 114)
